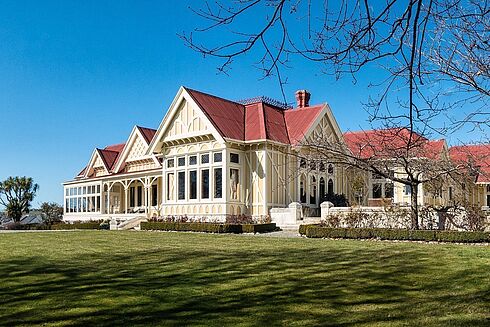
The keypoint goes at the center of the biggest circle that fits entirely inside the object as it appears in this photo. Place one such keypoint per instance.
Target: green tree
(16, 194)
(52, 212)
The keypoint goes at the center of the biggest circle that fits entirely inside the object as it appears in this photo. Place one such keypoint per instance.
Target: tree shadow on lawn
(179, 287)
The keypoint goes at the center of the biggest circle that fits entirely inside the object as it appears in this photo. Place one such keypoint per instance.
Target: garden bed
(208, 227)
(316, 231)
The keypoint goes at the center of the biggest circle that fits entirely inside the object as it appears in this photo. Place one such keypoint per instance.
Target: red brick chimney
(302, 98)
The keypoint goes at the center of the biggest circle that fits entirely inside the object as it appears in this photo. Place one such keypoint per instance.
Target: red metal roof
(148, 133)
(299, 121)
(478, 155)
(256, 121)
(228, 117)
(391, 143)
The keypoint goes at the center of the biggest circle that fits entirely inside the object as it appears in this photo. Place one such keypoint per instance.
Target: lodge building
(211, 157)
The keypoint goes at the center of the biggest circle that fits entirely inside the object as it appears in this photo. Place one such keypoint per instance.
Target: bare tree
(425, 48)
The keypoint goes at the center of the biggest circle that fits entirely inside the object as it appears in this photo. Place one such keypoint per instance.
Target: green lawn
(157, 278)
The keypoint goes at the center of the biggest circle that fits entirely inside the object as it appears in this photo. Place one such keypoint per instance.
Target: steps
(132, 223)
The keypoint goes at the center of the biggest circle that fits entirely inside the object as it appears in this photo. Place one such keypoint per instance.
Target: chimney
(302, 98)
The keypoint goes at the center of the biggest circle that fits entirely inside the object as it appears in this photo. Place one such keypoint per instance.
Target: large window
(193, 184)
(377, 191)
(154, 195)
(234, 184)
(181, 186)
(205, 184)
(140, 196)
(170, 186)
(218, 183)
(83, 199)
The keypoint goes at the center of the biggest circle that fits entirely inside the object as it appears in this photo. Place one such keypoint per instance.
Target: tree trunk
(414, 206)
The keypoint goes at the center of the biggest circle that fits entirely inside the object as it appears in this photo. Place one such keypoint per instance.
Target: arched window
(323, 189)
(330, 186)
(313, 190)
(302, 191)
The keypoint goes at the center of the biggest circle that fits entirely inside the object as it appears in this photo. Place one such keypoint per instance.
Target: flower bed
(208, 227)
(315, 231)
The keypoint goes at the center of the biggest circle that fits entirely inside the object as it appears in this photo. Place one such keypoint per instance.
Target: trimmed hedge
(87, 225)
(208, 227)
(315, 231)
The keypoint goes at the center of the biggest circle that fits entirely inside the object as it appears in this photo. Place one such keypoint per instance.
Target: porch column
(126, 186)
(146, 195)
(108, 199)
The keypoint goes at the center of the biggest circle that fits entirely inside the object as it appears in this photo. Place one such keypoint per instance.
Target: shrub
(316, 231)
(208, 227)
(95, 224)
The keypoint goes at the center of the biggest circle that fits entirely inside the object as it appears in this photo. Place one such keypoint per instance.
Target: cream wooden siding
(186, 122)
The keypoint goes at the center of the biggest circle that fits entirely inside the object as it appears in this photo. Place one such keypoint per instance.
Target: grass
(155, 278)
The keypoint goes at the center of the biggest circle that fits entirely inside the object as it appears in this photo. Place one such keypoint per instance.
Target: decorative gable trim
(182, 95)
(136, 134)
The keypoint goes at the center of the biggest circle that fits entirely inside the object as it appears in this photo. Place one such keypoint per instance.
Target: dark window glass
(450, 193)
(388, 190)
(192, 160)
(170, 163)
(181, 161)
(408, 189)
(205, 158)
(140, 196)
(218, 185)
(181, 185)
(234, 157)
(131, 196)
(205, 184)
(302, 163)
(376, 191)
(193, 184)
(330, 169)
(217, 157)
(330, 186)
(154, 195)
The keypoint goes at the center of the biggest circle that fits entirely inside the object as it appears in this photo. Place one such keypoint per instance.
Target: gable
(187, 121)
(137, 149)
(98, 161)
(135, 152)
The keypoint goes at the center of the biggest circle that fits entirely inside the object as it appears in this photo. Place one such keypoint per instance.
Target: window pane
(408, 189)
(170, 163)
(181, 187)
(192, 160)
(154, 195)
(193, 184)
(170, 186)
(205, 158)
(131, 196)
(181, 161)
(218, 183)
(140, 196)
(234, 157)
(205, 184)
(98, 188)
(217, 157)
(234, 184)
(376, 191)
(388, 190)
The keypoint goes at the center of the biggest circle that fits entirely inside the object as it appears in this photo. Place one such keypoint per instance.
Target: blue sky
(75, 75)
